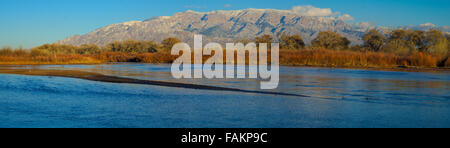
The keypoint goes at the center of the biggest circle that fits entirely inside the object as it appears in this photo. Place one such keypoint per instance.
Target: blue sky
(30, 23)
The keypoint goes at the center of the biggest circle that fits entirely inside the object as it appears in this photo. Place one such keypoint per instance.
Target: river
(337, 98)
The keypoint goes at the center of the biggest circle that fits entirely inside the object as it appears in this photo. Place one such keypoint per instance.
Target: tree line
(127, 46)
(402, 42)
(404, 47)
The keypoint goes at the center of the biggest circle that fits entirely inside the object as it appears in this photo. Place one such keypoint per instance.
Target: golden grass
(447, 62)
(332, 58)
(306, 57)
(156, 58)
(114, 57)
(47, 60)
(421, 60)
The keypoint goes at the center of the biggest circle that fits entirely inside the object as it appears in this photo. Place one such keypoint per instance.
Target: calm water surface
(339, 98)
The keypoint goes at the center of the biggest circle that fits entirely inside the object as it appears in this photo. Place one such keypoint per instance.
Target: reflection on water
(319, 82)
(340, 98)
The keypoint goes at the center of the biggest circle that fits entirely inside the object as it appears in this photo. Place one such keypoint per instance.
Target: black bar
(173, 137)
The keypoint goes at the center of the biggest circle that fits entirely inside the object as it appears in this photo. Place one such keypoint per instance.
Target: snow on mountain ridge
(228, 26)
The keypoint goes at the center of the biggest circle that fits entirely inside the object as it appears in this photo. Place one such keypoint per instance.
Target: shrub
(168, 43)
(374, 40)
(330, 40)
(88, 49)
(294, 42)
(6, 51)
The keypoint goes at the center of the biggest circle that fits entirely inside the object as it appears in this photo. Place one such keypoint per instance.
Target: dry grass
(46, 60)
(332, 58)
(447, 62)
(9, 56)
(306, 57)
(157, 58)
(421, 60)
(115, 57)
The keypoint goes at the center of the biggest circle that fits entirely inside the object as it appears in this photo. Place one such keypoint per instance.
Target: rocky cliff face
(222, 26)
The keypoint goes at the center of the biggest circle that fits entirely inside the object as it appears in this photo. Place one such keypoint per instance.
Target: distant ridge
(230, 26)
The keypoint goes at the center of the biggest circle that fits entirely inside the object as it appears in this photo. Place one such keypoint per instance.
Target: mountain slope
(222, 26)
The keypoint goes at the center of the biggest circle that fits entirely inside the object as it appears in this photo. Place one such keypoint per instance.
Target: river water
(338, 98)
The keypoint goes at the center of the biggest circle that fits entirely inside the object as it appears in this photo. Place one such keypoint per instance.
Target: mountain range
(231, 26)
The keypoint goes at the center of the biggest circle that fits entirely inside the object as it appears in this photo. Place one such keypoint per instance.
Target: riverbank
(417, 62)
(394, 69)
(318, 57)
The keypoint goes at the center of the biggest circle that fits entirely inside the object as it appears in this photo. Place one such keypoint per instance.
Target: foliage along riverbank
(399, 49)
